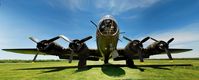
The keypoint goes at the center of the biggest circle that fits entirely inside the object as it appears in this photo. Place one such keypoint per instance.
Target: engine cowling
(50, 48)
(160, 46)
(77, 46)
(46, 46)
(135, 48)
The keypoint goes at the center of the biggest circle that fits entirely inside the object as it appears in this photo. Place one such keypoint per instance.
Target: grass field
(61, 70)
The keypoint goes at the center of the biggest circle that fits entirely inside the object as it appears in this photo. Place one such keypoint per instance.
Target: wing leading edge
(93, 52)
(24, 51)
(93, 55)
(147, 54)
(173, 50)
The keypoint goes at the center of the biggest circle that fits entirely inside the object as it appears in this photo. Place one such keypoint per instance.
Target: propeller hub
(135, 44)
(162, 45)
(75, 45)
(41, 45)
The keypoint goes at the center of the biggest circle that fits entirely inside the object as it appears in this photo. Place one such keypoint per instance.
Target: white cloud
(114, 7)
(117, 7)
(74, 5)
(186, 34)
(185, 37)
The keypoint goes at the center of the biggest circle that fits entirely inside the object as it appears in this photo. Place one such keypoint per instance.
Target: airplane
(107, 37)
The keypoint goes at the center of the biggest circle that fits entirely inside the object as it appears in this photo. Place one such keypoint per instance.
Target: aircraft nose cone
(108, 17)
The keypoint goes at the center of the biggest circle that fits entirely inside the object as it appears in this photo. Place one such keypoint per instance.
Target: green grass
(61, 70)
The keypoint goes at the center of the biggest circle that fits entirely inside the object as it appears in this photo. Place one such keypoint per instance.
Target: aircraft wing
(93, 55)
(178, 50)
(24, 51)
(172, 50)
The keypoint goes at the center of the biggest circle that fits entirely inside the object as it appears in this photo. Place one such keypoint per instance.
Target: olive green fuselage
(107, 37)
(107, 43)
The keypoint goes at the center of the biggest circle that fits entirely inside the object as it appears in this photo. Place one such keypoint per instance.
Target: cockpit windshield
(108, 26)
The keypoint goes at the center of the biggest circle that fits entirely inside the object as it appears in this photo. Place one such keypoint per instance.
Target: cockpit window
(108, 26)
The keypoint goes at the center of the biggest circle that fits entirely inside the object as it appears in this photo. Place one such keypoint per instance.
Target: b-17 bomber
(107, 37)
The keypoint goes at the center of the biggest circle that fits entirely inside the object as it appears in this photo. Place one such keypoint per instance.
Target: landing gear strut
(82, 62)
(105, 60)
(130, 63)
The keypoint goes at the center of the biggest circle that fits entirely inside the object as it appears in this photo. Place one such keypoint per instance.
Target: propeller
(71, 57)
(127, 38)
(138, 45)
(34, 39)
(35, 57)
(42, 45)
(74, 45)
(65, 38)
(164, 46)
(95, 25)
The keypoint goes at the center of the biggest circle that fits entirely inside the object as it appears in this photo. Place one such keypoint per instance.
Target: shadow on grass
(110, 69)
(55, 69)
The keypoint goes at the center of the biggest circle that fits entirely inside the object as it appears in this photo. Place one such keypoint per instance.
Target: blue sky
(44, 19)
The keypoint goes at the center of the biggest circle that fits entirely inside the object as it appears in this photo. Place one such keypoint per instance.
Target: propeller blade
(34, 39)
(48, 46)
(120, 40)
(168, 54)
(127, 38)
(154, 40)
(85, 39)
(71, 56)
(140, 55)
(145, 39)
(122, 32)
(35, 57)
(65, 38)
(169, 41)
(93, 23)
(53, 39)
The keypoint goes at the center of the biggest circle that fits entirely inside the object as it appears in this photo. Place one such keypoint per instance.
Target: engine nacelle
(132, 47)
(50, 48)
(157, 47)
